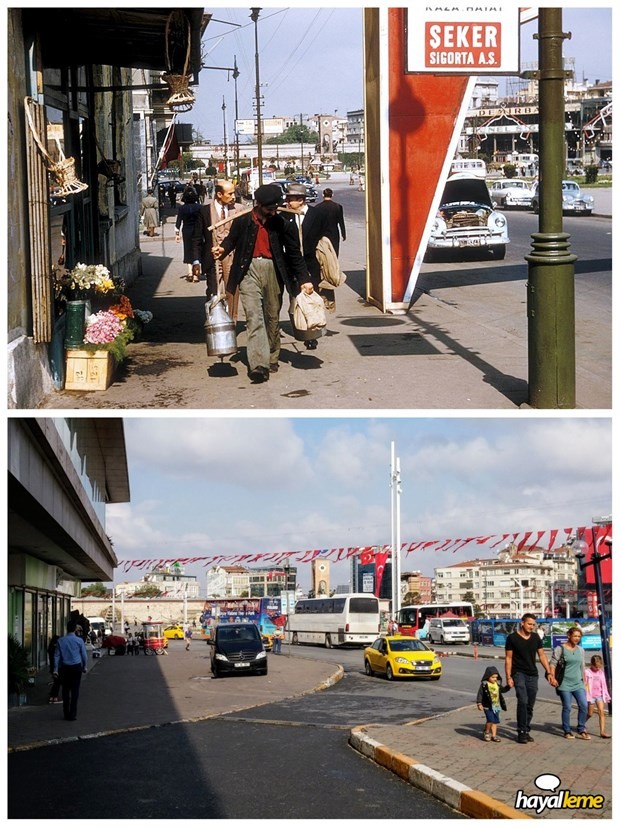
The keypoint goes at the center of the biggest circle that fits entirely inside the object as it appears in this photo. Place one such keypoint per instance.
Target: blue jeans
(526, 688)
(567, 701)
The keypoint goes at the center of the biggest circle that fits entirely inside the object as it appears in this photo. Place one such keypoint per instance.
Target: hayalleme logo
(557, 799)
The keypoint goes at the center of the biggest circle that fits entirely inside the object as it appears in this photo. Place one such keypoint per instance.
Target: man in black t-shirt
(522, 648)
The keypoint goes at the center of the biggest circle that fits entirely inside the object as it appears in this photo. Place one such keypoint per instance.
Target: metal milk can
(219, 328)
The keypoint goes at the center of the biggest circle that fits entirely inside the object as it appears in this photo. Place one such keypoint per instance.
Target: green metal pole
(551, 272)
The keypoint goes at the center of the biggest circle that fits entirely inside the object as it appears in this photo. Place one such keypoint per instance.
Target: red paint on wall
(423, 110)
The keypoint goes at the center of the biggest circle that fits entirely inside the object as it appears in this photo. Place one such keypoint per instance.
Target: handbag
(560, 668)
(309, 312)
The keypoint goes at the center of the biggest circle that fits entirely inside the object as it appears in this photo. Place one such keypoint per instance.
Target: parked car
(573, 200)
(237, 648)
(511, 193)
(174, 632)
(401, 656)
(448, 630)
(466, 219)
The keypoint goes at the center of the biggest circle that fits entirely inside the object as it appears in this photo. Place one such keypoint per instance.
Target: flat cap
(268, 195)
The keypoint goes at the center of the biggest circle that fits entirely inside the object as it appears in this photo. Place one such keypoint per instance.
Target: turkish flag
(367, 556)
(380, 561)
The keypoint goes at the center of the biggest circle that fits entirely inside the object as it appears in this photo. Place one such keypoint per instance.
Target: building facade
(512, 583)
(62, 474)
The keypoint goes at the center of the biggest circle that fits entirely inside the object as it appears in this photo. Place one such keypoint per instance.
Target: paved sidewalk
(460, 346)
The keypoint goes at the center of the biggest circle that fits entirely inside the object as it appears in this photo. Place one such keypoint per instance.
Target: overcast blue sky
(311, 60)
(264, 484)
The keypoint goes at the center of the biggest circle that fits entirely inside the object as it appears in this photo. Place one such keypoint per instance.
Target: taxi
(174, 632)
(400, 656)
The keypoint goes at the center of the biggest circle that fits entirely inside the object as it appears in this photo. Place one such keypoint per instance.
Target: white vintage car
(511, 193)
(573, 200)
(467, 220)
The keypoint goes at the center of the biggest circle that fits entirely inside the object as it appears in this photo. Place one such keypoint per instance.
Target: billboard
(463, 38)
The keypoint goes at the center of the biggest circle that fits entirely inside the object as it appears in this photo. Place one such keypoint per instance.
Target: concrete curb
(460, 797)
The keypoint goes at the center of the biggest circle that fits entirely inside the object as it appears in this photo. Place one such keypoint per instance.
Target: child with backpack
(490, 700)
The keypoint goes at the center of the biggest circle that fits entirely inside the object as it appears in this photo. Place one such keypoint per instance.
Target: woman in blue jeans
(572, 684)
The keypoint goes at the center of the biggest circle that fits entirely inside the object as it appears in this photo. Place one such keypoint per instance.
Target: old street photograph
(437, 214)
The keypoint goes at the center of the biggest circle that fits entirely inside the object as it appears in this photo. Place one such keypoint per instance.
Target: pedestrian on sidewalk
(149, 212)
(188, 637)
(597, 694)
(70, 662)
(570, 682)
(184, 228)
(267, 258)
(335, 218)
(311, 225)
(222, 208)
(490, 700)
(278, 634)
(522, 648)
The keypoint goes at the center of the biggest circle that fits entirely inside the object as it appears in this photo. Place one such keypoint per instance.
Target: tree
(468, 597)
(147, 590)
(295, 134)
(412, 599)
(94, 590)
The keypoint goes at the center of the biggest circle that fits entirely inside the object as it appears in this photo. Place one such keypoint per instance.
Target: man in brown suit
(204, 239)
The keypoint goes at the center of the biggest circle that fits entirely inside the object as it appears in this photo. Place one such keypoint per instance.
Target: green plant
(510, 170)
(18, 666)
(591, 173)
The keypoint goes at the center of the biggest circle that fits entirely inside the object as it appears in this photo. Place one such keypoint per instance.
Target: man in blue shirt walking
(70, 660)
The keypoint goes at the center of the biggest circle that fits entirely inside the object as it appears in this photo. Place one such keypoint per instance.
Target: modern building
(228, 581)
(415, 583)
(62, 474)
(512, 583)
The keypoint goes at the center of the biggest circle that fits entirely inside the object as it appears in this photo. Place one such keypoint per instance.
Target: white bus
(249, 181)
(473, 166)
(335, 621)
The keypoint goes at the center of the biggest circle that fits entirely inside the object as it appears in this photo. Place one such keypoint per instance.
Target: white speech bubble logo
(547, 782)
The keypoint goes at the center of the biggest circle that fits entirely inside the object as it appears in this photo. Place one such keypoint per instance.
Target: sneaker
(522, 738)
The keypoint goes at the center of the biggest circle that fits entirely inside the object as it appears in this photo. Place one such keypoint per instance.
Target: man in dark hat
(267, 258)
(311, 226)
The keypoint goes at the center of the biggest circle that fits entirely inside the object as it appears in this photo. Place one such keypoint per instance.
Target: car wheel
(430, 256)
(441, 640)
(388, 673)
(295, 639)
(499, 252)
(368, 669)
(328, 641)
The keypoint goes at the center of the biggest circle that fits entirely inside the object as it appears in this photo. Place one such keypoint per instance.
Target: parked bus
(474, 166)
(413, 619)
(265, 612)
(335, 621)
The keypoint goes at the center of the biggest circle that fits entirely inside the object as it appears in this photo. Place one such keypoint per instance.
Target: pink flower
(102, 328)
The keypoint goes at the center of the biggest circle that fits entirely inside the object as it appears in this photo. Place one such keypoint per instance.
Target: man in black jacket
(311, 225)
(267, 258)
(335, 218)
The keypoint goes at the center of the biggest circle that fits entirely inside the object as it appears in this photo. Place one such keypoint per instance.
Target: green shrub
(591, 174)
(510, 170)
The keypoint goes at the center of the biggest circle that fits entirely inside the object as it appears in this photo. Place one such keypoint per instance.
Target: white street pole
(113, 606)
(552, 598)
(567, 608)
(397, 535)
(393, 555)
(123, 611)
(185, 606)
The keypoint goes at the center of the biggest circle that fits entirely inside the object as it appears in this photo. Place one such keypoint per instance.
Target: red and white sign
(463, 38)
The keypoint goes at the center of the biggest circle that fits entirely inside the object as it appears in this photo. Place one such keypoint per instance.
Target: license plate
(240, 665)
(472, 242)
(423, 668)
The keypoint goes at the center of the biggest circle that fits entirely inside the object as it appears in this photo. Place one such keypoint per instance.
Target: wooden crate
(89, 370)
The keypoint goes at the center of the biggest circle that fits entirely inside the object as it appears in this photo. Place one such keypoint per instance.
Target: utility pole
(235, 76)
(226, 170)
(259, 142)
(551, 272)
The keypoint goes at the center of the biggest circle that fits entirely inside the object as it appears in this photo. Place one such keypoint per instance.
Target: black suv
(237, 648)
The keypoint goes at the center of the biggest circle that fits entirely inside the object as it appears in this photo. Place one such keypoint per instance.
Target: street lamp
(520, 585)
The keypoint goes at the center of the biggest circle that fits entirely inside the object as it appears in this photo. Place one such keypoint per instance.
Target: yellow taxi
(400, 656)
(174, 632)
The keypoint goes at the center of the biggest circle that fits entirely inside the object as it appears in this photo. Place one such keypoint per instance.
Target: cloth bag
(309, 312)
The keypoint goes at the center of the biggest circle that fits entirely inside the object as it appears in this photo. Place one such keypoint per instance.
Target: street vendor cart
(153, 639)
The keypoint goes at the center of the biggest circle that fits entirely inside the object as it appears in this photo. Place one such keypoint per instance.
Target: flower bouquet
(114, 328)
(86, 282)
